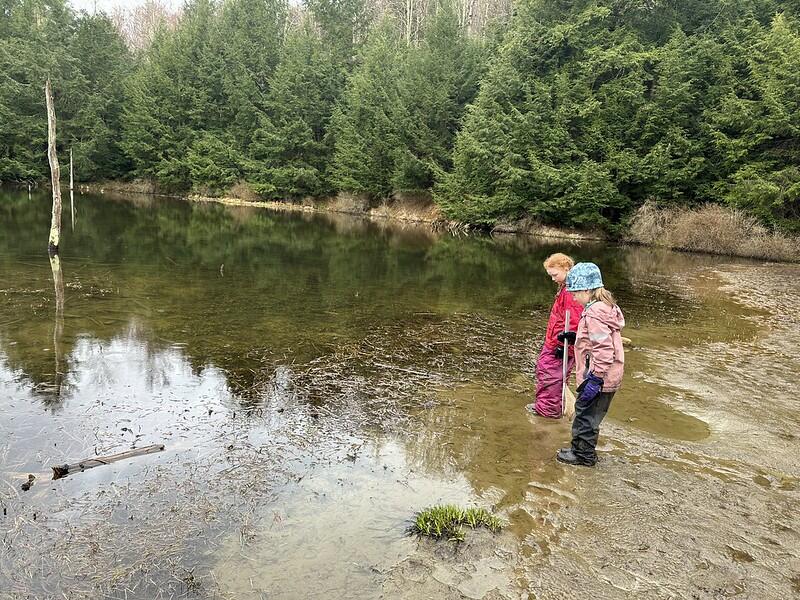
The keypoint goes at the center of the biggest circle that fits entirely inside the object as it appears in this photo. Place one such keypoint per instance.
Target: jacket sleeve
(602, 344)
(559, 316)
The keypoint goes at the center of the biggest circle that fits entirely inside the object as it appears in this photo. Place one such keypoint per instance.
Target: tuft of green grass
(445, 521)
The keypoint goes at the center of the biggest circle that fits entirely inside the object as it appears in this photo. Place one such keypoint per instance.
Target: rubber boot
(568, 457)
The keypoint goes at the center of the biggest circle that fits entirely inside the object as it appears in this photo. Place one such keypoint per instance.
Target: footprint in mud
(740, 556)
(762, 481)
(552, 489)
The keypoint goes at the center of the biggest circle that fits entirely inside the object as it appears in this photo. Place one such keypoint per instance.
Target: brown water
(317, 379)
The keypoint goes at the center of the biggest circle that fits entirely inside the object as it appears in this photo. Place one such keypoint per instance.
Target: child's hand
(566, 335)
(590, 388)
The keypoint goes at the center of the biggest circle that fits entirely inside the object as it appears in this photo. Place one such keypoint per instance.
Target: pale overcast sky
(108, 5)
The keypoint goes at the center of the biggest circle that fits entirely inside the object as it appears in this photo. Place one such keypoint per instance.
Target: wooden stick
(564, 360)
(60, 471)
(55, 172)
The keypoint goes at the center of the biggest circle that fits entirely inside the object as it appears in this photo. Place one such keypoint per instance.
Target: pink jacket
(599, 339)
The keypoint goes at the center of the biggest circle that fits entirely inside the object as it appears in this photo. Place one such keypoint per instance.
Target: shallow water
(316, 380)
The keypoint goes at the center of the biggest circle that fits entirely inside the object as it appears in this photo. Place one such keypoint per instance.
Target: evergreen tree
(250, 36)
(673, 158)
(551, 125)
(102, 63)
(364, 125)
(440, 78)
(175, 101)
(756, 126)
(291, 152)
(34, 46)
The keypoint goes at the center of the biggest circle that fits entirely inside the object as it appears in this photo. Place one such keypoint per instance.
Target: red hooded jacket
(555, 325)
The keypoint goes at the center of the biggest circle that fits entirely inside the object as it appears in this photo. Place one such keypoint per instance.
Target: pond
(316, 379)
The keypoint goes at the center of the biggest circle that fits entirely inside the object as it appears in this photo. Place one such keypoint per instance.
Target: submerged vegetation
(571, 114)
(446, 520)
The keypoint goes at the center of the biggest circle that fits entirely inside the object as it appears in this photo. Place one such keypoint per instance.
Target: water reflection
(58, 326)
(246, 291)
(119, 394)
(240, 287)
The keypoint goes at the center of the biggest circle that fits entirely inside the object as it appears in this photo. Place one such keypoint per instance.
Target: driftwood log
(60, 471)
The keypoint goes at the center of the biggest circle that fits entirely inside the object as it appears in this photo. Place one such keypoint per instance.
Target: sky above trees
(109, 5)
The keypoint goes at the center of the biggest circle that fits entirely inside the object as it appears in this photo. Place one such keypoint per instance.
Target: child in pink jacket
(600, 361)
(549, 365)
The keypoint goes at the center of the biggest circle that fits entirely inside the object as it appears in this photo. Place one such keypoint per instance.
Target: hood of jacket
(609, 315)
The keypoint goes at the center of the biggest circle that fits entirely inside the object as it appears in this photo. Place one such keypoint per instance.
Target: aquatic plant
(445, 521)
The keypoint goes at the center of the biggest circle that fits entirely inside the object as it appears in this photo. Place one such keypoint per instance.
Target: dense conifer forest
(571, 112)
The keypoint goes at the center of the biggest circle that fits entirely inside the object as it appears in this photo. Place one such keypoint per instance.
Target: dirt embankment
(418, 208)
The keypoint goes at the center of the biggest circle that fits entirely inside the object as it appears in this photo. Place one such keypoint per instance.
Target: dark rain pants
(586, 425)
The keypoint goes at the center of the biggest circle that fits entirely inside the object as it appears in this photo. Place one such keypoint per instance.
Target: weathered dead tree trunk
(55, 173)
(409, 20)
(470, 16)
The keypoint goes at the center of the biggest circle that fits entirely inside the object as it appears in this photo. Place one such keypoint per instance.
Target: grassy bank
(712, 229)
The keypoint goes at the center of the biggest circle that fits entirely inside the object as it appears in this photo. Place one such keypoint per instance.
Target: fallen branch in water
(67, 469)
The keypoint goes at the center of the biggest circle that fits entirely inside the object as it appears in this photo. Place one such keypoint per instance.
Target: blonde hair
(603, 295)
(558, 260)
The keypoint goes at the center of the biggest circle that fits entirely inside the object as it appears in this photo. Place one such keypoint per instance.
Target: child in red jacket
(549, 366)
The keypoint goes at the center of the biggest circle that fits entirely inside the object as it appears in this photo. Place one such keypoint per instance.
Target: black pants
(586, 425)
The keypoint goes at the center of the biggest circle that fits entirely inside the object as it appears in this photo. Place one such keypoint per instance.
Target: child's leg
(586, 426)
(549, 382)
